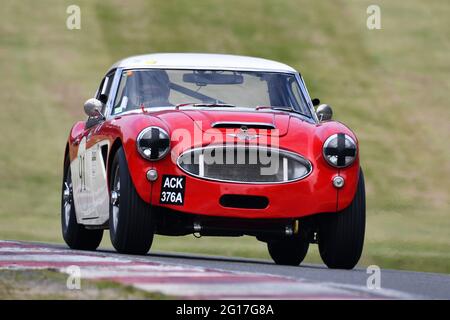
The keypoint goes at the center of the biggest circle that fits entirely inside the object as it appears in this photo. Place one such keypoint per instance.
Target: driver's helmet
(153, 89)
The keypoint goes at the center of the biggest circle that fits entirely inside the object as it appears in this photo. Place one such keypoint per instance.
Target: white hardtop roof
(202, 61)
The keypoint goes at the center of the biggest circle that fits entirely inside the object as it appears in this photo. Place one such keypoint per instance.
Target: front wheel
(341, 234)
(289, 252)
(131, 225)
(75, 235)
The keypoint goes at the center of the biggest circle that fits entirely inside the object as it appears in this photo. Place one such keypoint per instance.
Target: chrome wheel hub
(67, 200)
(115, 198)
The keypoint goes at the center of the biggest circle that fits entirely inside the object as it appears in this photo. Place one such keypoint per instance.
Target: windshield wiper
(281, 109)
(209, 105)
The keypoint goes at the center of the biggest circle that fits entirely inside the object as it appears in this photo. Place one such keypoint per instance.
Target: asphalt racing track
(212, 277)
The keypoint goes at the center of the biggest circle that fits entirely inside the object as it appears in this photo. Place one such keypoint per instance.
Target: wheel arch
(66, 153)
(66, 159)
(114, 148)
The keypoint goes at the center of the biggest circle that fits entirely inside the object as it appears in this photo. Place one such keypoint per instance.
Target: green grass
(51, 285)
(391, 86)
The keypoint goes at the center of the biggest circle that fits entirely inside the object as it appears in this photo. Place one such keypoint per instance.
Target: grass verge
(51, 285)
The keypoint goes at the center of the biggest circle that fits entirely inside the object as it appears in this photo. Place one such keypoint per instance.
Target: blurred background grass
(391, 86)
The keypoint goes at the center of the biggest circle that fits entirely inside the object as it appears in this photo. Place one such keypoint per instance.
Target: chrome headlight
(153, 143)
(339, 150)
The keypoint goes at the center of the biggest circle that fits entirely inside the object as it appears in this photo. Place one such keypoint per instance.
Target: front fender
(345, 194)
(127, 128)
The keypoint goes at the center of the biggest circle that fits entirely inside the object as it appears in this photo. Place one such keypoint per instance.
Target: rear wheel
(341, 234)
(75, 235)
(131, 224)
(290, 252)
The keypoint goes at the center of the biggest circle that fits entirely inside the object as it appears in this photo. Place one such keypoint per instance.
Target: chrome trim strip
(285, 169)
(243, 124)
(201, 165)
(308, 163)
(112, 94)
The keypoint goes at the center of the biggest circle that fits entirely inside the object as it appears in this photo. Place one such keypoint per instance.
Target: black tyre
(75, 235)
(341, 235)
(131, 226)
(289, 252)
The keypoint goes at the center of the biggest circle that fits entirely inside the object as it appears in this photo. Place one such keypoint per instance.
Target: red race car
(212, 145)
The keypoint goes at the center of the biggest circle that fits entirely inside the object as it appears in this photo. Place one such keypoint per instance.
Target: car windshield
(149, 88)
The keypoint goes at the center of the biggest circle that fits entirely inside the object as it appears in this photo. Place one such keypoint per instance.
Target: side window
(121, 101)
(102, 95)
(299, 99)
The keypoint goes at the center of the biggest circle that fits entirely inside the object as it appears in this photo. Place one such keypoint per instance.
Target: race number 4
(172, 190)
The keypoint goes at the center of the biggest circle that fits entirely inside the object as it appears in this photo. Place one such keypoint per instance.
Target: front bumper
(314, 194)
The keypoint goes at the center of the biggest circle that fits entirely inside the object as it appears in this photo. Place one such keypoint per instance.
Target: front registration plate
(172, 190)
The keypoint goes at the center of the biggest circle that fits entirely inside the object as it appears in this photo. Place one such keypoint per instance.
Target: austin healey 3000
(212, 145)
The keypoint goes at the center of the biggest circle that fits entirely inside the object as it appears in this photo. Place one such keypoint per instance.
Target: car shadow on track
(210, 258)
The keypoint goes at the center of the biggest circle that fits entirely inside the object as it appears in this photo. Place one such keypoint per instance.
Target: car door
(88, 169)
(95, 161)
(78, 168)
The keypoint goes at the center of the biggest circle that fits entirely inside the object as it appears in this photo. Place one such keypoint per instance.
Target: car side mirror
(93, 108)
(324, 112)
(103, 98)
(315, 102)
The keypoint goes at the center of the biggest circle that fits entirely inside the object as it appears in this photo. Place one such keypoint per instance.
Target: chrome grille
(244, 164)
